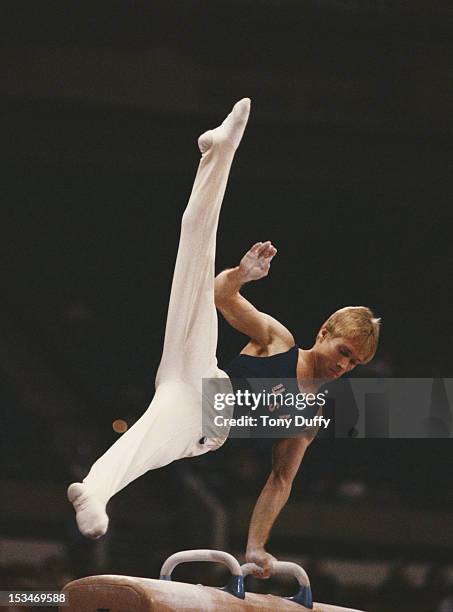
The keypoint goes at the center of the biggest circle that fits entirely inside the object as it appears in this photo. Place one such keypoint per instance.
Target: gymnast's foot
(91, 517)
(232, 128)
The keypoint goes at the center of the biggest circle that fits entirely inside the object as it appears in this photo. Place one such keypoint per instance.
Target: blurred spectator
(396, 588)
(434, 587)
(446, 605)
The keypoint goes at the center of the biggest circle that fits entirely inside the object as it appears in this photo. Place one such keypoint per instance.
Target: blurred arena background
(346, 166)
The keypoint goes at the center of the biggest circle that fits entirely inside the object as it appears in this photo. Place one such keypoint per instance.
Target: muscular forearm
(273, 497)
(287, 455)
(228, 284)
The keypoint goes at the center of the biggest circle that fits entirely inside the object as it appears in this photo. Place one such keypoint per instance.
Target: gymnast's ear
(322, 334)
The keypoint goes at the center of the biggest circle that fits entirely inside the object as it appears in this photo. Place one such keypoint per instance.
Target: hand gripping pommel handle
(284, 568)
(236, 584)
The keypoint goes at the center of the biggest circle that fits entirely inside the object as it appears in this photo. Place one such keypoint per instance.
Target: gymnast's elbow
(226, 303)
(281, 480)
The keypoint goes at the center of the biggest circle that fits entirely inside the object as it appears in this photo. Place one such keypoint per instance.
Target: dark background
(345, 166)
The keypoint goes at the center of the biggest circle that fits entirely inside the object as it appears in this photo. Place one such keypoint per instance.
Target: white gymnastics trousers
(171, 427)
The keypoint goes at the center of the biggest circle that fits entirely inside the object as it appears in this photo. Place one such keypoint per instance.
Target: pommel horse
(111, 593)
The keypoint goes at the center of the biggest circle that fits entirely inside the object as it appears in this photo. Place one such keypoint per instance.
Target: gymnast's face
(335, 356)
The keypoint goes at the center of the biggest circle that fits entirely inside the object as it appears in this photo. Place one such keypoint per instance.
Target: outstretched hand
(264, 560)
(256, 262)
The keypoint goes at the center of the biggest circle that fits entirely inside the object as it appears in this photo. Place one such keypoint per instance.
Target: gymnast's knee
(176, 390)
(190, 220)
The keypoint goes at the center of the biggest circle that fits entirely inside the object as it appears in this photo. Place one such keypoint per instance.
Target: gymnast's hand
(256, 262)
(263, 559)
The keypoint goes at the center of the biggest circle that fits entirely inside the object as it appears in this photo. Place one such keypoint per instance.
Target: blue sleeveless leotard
(276, 374)
(281, 365)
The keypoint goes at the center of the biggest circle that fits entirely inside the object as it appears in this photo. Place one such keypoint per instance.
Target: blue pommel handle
(236, 587)
(236, 584)
(304, 595)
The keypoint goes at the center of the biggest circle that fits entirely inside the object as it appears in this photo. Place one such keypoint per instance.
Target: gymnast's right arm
(264, 331)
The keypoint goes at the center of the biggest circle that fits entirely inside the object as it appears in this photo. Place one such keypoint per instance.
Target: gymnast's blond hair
(356, 323)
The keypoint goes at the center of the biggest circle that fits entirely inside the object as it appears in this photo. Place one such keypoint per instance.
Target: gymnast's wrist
(241, 275)
(254, 549)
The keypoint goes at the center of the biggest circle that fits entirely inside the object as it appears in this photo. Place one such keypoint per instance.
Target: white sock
(232, 127)
(91, 517)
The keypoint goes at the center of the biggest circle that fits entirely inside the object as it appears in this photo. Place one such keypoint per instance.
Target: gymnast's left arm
(287, 455)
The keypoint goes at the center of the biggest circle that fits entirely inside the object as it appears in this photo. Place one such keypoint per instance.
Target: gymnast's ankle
(231, 130)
